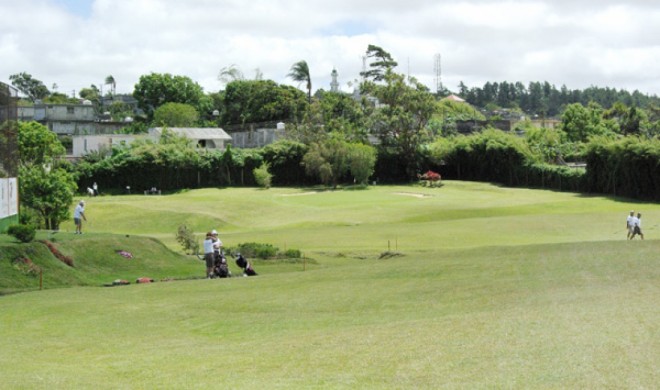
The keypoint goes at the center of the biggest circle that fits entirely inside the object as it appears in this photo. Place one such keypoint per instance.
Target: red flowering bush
(56, 252)
(430, 178)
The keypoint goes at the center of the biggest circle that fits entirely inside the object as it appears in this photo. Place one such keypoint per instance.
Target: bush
(261, 251)
(292, 254)
(186, 237)
(23, 233)
(262, 176)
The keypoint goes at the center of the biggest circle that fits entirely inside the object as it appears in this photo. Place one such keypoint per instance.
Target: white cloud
(577, 43)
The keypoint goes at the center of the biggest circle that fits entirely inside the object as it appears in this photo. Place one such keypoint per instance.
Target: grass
(494, 288)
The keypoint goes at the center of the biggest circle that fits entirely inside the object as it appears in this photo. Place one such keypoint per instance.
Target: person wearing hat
(630, 225)
(208, 254)
(78, 216)
(217, 244)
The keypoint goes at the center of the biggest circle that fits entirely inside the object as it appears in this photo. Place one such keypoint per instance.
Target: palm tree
(230, 73)
(111, 81)
(300, 73)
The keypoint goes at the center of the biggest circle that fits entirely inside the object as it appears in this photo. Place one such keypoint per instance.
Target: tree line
(546, 100)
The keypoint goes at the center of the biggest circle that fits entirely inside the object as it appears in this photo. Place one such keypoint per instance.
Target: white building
(206, 138)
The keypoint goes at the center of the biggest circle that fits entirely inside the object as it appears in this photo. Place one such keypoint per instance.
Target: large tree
(381, 63)
(32, 88)
(45, 185)
(155, 89)
(253, 101)
(300, 73)
(176, 115)
(404, 107)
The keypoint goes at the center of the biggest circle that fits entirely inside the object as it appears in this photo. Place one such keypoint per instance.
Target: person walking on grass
(208, 254)
(637, 226)
(78, 216)
(630, 225)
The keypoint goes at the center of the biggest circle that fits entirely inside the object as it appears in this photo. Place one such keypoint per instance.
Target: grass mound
(91, 260)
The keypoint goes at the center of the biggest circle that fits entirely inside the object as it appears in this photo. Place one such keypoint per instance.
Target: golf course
(463, 286)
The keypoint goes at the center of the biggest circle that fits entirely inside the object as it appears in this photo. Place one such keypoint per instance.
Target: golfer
(637, 221)
(630, 224)
(208, 254)
(78, 216)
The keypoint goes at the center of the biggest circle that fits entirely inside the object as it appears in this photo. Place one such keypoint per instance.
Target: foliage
(361, 161)
(285, 159)
(23, 233)
(186, 237)
(254, 101)
(155, 89)
(339, 112)
(175, 115)
(49, 193)
(579, 122)
(32, 88)
(262, 176)
(257, 250)
(382, 63)
(37, 144)
(300, 73)
(546, 100)
(46, 185)
(400, 118)
(625, 167)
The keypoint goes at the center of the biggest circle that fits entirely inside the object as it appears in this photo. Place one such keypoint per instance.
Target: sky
(77, 43)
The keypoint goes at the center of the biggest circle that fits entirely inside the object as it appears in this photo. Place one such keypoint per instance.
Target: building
(206, 138)
(68, 119)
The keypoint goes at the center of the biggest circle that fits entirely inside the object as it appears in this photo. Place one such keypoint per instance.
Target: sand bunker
(413, 194)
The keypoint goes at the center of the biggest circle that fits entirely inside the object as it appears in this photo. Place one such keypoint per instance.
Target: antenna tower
(437, 68)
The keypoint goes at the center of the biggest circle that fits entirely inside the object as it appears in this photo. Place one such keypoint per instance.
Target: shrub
(262, 176)
(293, 254)
(186, 237)
(253, 249)
(23, 233)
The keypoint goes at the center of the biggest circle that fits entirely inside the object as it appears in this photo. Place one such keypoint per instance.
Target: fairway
(469, 285)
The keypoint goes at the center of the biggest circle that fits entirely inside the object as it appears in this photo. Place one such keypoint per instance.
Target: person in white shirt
(630, 225)
(208, 254)
(78, 216)
(637, 226)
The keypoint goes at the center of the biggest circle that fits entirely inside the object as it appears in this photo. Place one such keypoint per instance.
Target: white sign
(13, 196)
(4, 198)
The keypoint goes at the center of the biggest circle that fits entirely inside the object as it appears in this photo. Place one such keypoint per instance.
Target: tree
(230, 73)
(176, 115)
(45, 185)
(328, 160)
(300, 73)
(333, 157)
(49, 193)
(400, 118)
(109, 80)
(579, 122)
(253, 101)
(32, 88)
(37, 144)
(362, 160)
(92, 94)
(155, 89)
(381, 64)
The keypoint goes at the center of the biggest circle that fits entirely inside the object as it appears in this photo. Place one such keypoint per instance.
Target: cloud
(76, 43)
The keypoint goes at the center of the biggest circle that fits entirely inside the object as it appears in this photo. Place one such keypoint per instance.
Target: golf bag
(220, 267)
(245, 265)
